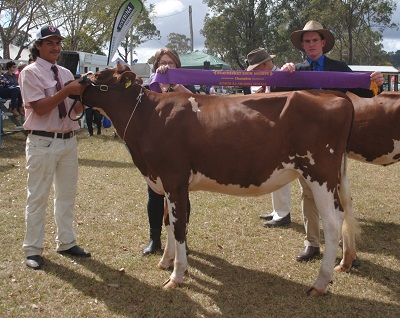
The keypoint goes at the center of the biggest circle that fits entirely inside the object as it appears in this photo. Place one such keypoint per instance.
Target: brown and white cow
(243, 145)
(375, 139)
(375, 135)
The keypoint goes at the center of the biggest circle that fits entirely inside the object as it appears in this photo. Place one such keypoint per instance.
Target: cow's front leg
(176, 236)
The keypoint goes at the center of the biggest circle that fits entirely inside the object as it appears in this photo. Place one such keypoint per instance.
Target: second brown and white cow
(243, 145)
(375, 135)
(374, 139)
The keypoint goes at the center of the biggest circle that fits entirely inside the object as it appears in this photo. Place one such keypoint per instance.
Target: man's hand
(378, 78)
(288, 67)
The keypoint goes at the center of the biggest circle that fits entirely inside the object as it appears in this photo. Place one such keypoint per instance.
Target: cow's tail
(350, 227)
(351, 125)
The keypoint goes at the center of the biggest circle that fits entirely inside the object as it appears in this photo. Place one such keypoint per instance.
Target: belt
(42, 133)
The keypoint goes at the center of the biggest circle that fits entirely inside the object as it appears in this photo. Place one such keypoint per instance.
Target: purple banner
(300, 79)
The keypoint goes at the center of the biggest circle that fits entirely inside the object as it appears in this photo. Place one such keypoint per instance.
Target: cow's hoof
(170, 284)
(339, 268)
(346, 268)
(313, 292)
(160, 267)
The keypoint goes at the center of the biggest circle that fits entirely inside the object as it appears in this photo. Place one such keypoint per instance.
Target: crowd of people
(37, 91)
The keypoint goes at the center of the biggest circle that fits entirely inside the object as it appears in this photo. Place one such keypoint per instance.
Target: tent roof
(387, 70)
(196, 60)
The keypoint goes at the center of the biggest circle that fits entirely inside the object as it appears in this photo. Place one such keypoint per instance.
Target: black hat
(48, 31)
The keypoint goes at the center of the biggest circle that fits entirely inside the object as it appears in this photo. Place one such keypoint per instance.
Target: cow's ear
(127, 78)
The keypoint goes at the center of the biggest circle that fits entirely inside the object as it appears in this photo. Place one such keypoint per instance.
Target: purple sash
(298, 79)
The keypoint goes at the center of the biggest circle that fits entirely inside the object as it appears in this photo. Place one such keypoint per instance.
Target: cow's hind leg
(331, 221)
(167, 259)
(350, 227)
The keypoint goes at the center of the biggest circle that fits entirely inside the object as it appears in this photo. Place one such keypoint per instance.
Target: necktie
(314, 65)
(61, 107)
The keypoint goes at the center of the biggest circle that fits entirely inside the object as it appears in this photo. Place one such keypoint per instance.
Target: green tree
(179, 42)
(234, 28)
(357, 26)
(395, 58)
(86, 24)
(18, 19)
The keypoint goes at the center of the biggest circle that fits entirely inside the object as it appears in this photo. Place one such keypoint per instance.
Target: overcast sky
(173, 16)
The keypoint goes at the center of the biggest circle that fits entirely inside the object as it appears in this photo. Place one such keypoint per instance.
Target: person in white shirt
(260, 60)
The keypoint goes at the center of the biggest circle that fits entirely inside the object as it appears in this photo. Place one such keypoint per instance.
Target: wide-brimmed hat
(48, 31)
(257, 57)
(313, 26)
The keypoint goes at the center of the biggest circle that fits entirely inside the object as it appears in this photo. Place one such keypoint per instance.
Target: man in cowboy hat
(260, 60)
(316, 41)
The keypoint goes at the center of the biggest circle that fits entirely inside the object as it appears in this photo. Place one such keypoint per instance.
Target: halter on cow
(243, 145)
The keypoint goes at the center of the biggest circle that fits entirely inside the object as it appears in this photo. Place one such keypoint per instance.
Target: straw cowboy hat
(257, 57)
(313, 26)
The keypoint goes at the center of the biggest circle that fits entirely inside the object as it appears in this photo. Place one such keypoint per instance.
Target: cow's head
(110, 79)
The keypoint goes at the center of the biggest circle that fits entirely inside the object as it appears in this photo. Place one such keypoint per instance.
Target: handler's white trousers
(281, 202)
(48, 161)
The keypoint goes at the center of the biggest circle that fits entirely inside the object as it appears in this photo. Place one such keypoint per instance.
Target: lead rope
(139, 99)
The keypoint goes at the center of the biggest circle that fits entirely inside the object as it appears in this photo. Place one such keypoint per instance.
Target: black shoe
(267, 216)
(356, 263)
(152, 248)
(278, 223)
(76, 251)
(309, 253)
(34, 261)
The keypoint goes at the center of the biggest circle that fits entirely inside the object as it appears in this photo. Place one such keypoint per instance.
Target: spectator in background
(260, 60)
(93, 115)
(11, 67)
(20, 67)
(13, 92)
(212, 90)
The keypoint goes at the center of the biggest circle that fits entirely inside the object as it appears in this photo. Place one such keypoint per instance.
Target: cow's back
(244, 141)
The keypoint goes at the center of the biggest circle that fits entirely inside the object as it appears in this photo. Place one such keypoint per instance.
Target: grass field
(237, 268)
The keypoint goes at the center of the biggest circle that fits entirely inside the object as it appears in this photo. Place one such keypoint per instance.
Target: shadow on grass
(229, 291)
(121, 293)
(241, 292)
(379, 238)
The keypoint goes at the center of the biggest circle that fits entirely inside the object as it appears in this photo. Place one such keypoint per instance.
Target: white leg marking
(332, 222)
